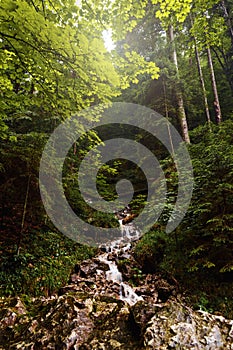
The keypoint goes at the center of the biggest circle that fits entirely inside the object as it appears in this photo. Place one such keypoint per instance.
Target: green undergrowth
(42, 266)
(205, 289)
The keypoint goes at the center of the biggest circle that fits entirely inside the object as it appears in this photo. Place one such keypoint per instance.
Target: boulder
(177, 326)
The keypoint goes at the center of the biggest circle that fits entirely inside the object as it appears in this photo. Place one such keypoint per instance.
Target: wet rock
(103, 249)
(141, 313)
(112, 256)
(129, 218)
(164, 289)
(87, 268)
(127, 267)
(101, 265)
(123, 256)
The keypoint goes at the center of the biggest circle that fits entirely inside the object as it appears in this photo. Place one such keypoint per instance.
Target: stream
(123, 244)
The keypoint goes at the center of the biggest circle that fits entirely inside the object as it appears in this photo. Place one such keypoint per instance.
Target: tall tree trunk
(179, 96)
(202, 81)
(23, 216)
(217, 108)
(166, 115)
(201, 77)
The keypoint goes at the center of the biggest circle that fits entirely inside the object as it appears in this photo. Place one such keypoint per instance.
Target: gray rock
(179, 327)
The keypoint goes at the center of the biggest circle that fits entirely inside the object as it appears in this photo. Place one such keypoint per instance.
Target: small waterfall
(113, 274)
(123, 244)
(130, 233)
(121, 225)
(127, 294)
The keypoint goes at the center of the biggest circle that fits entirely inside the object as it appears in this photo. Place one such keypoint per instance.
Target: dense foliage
(200, 251)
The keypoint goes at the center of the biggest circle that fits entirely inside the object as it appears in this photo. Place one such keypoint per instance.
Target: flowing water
(121, 245)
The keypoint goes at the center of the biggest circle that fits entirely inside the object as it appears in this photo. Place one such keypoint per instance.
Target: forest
(173, 57)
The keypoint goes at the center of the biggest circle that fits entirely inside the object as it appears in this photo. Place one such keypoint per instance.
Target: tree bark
(217, 108)
(179, 96)
(166, 115)
(23, 216)
(202, 83)
(201, 77)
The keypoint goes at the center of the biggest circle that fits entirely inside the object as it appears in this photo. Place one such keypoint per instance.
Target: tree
(49, 62)
(209, 30)
(168, 13)
(224, 51)
(201, 76)
(179, 96)
(52, 57)
(217, 108)
(148, 38)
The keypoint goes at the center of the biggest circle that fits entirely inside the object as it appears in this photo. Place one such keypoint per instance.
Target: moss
(149, 251)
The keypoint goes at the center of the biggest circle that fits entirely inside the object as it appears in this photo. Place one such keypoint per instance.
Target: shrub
(149, 250)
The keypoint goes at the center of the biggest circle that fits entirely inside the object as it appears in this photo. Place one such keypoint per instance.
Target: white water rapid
(123, 244)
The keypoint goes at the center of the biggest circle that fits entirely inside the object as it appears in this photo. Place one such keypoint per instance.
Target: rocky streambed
(109, 304)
